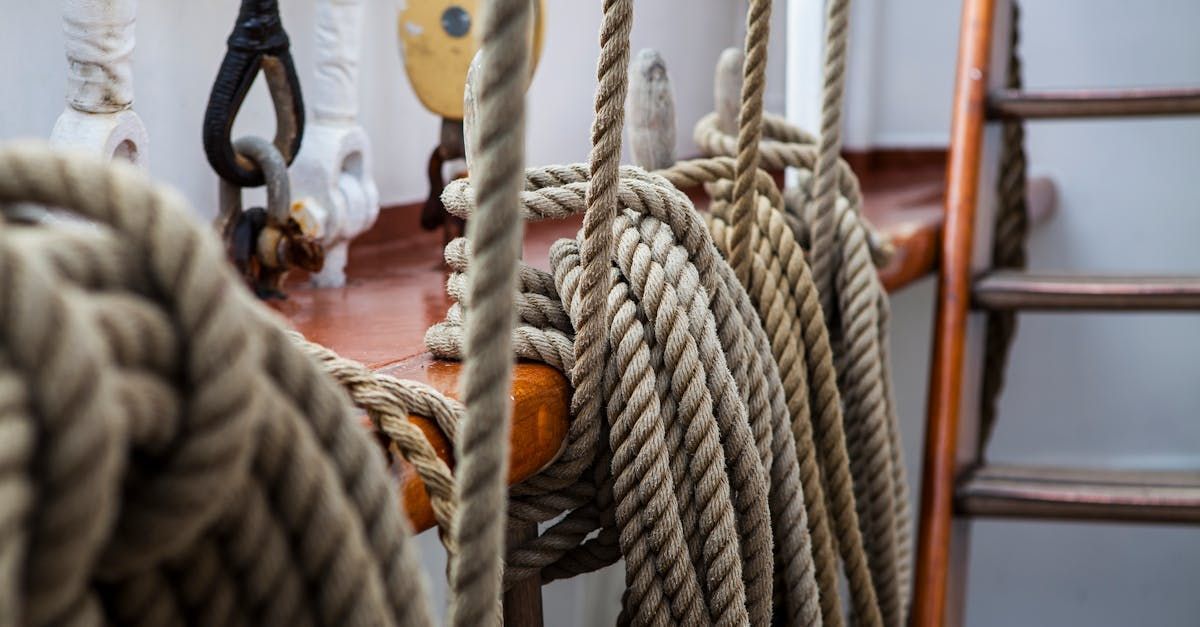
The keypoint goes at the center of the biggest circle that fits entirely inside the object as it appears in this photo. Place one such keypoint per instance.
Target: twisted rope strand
(826, 170)
(496, 233)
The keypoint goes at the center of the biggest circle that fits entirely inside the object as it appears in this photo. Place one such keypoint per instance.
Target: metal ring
(267, 160)
(258, 43)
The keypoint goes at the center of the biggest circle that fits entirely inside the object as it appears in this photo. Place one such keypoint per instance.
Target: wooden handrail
(397, 290)
(541, 400)
(954, 295)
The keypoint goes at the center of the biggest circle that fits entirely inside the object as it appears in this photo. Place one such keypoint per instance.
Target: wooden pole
(954, 294)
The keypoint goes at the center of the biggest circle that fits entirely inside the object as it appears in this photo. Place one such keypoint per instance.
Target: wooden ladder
(956, 484)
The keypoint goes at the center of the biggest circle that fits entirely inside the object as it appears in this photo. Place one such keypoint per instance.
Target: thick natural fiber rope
(783, 291)
(744, 217)
(870, 418)
(545, 334)
(591, 344)
(496, 233)
(169, 456)
(826, 171)
(860, 341)
(388, 402)
(670, 215)
(660, 585)
(754, 71)
(1008, 245)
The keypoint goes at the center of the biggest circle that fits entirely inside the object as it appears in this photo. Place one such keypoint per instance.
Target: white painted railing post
(331, 177)
(99, 116)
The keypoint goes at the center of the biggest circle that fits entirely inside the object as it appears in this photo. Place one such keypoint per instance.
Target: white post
(861, 76)
(99, 116)
(331, 177)
(805, 49)
(651, 112)
(805, 63)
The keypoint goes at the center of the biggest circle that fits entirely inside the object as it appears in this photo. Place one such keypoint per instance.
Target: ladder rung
(1074, 494)
(1015, 104)
(1020, 290)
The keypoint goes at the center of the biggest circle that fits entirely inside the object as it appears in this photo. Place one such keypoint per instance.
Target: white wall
(180, 46)
(1096, 390)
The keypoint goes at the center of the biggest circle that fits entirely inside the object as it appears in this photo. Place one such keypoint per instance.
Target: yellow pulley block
(438, 39)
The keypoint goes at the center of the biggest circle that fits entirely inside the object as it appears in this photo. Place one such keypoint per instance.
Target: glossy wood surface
(954, 293)
(396, 290)
(1072, 494)
(541, 399)
(1016, 105)
(1057, 292)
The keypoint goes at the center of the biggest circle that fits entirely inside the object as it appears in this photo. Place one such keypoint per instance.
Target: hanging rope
(786, 300)
(1008, 244)
(825, 210)
(769, 290)
(685, 401)
(826, 170)
(496, 234)
(546, 334)
(688, 455)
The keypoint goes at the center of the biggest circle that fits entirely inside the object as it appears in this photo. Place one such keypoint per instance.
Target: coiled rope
(550, 306)
(169, 456)
(825, 218)
(688, 455)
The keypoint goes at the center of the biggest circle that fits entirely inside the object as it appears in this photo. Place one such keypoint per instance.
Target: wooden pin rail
(396, 290)
(1053, 292)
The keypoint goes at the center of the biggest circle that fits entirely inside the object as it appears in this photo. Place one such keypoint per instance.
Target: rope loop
(673, 469)
(258, 43)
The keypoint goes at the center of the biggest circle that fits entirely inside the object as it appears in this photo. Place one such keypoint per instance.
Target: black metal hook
(258, 42)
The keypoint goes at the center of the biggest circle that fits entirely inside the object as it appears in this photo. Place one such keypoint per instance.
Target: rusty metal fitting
(265, 244)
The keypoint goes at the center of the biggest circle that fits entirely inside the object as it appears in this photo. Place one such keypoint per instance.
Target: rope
(783, 292)
(255, 501)
(758, 26)
(169, 456)
(778, 307)
(824, 211)
(675, 412)
(826, 172)
(1008, 245)
(496, 233)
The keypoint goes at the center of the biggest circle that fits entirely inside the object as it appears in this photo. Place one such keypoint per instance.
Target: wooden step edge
(541, 407)
(1083, 495)
(1015, 290)
(1028, 105)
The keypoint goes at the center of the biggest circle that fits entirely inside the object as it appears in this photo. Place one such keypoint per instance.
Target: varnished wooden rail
(397, 290)
(541, 400)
